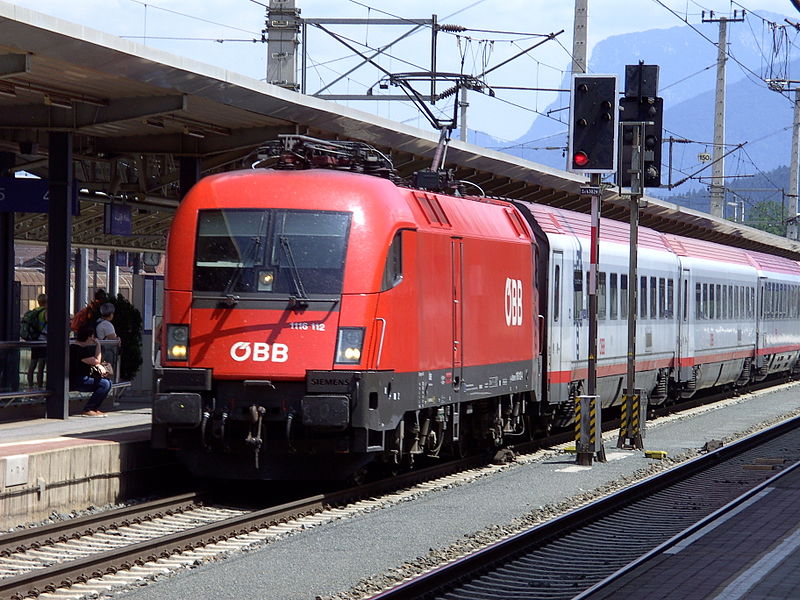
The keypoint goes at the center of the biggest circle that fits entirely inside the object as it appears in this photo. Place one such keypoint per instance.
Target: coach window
(601, 296)
(653, 299)
(731, 293)
(613, 296)
(784, 299)
(557, 293)
(623, 296)
(662, 297)
(698, 301)
(739, 302)
(712, 301)
(772, 302)
(706, 314)
(726, 296)
(393, 269)
(643, 298)
(685, 315)
(577, 294)
(670, 298)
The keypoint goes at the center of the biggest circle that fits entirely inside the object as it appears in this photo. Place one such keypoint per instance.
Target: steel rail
(23, 539)
(64, 574)
(486, 559)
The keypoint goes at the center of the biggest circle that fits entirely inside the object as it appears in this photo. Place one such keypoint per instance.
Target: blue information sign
(26, 194)
(118, 220)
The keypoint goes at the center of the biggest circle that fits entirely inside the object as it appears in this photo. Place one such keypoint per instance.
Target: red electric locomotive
(316, 321)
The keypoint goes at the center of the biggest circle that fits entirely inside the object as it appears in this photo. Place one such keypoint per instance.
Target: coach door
(457, 254)
(684, 319)
(556, 327)
(760, 312)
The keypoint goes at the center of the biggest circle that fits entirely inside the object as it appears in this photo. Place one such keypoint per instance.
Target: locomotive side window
(623, 296)
(274, 251)
(393, 269)
(613, 297)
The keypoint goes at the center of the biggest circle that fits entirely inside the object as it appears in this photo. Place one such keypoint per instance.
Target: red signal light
(580, 159)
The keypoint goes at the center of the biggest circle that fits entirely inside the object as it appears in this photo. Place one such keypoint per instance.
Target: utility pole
(718, 168)
(463, 104)
(283, 26)
(791, 226)
(579, 36)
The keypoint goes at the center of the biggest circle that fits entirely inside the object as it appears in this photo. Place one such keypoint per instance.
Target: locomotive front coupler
(256, 414)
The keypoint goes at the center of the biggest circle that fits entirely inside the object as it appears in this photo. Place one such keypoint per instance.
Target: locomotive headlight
(265, 280)
(348, 345)
(177, 342)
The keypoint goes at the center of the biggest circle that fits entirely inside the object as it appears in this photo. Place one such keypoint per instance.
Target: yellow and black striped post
(633, 420)
(588, 430)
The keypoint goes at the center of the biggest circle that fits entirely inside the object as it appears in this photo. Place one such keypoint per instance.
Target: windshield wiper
(302, 298)
(251, 254)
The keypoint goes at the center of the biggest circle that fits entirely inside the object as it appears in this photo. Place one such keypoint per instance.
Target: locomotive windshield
(277, 251)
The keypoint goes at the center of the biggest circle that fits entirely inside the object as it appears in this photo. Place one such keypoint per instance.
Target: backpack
(84, 315)
(31, 325)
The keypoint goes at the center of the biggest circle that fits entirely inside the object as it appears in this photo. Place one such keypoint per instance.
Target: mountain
(756, 116)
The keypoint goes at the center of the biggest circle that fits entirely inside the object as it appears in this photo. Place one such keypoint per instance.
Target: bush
(128, 325)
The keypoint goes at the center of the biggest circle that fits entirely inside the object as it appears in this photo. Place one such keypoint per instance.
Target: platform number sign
(513, 303)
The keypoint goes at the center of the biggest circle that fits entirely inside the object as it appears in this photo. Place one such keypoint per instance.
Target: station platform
(750, 551)
(54, 466)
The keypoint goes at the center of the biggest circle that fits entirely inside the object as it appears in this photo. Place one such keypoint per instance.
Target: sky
(220, 32)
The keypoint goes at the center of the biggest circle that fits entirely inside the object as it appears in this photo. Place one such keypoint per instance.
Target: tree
(128, 325)
(769, 216)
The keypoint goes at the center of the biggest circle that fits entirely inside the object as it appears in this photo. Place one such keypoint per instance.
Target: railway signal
(641, 105)
(593, 124)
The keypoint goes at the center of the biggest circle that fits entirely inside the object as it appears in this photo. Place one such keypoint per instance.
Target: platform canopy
(134, 111)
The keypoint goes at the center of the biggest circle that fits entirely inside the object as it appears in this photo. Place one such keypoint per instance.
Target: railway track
(159, 536)
(90, 554)
(563, 558)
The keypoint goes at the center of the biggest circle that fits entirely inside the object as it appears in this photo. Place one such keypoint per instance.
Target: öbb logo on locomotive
(513, 302)
(260, 352)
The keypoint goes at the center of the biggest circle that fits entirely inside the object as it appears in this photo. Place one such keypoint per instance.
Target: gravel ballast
(355, 556)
